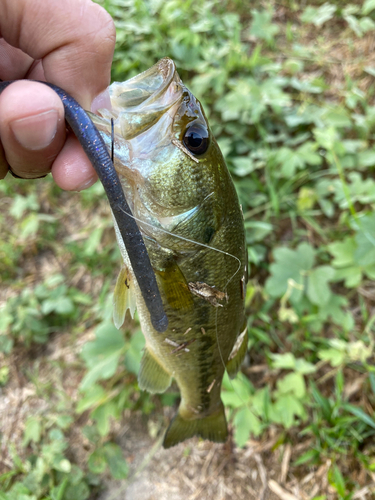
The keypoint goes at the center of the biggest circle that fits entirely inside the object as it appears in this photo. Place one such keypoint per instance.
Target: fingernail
(87, 184)
(36, 132)
(102, 100)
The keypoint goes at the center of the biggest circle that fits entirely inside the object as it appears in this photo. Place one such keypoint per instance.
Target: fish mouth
(140, 102)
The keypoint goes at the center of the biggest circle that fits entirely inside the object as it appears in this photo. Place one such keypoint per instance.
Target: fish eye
(196, 139)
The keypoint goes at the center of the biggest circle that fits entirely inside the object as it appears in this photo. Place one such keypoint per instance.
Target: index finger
(75, 40)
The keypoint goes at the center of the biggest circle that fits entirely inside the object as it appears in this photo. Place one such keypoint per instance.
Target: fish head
(165, 153)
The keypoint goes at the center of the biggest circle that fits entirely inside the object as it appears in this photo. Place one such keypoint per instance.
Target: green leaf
(108, 340)
(245, 424)
(355, 255)
(339, 382)
(290, 268)
(343, 252)
(262, 26)
(76, 475)
(64, 421)
(92, 243)
(114, 457)
(337, 117)
(62, 465)
(306, 199)
(308, 456)
(4, 373)
(318, 290)
(368, 6)
(29, 226)
(338, 481)
(97, 462)
(356, 350)
(134, 354)
(285, 361)
(285, 409)
(102, 355)
(367, 24)
(75, 491)
(318, 15)
(102, 416)
(366, 158)
(323, 402)
(335, 309)
(243, 165)
(23, 203)
(237, 392)
(364, 254)
(94, 395)
(290, 161)
(257, 230)
(261, 402)
(352, 276)
(231, 399)
(57, 492)
(327, 137)
(360, 26)
(292, 383)
(333, 356)
(304, 367)
(371, 377)
(359, 413)
(33, 430)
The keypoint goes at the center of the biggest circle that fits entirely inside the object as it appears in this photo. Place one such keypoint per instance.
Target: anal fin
(214, 428)
(152, 377)
(238, 353)
(123, 297)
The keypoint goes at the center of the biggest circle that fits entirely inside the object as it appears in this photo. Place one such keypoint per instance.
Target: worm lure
(96, 150)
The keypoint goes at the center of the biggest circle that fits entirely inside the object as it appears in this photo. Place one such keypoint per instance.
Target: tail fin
(214, 428)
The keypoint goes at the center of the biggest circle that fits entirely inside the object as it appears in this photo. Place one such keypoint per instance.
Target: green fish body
(182, 196)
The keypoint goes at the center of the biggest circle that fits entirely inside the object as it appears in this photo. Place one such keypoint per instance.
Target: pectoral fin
(238, 353)
(174, 287)
(123, 297)
(152, 377)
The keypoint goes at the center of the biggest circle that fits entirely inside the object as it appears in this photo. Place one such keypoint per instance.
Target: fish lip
(155, 82)
(140, 102)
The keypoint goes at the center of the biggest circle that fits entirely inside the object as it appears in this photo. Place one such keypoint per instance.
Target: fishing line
(223, 362)
(226, 286)
(189, 241)
(112, 140)
(165, 231)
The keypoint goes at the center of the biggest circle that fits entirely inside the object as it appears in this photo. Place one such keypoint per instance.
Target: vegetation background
(289, 91)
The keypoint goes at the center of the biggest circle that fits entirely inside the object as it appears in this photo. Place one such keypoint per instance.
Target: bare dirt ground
(194, 470)
(199, 470)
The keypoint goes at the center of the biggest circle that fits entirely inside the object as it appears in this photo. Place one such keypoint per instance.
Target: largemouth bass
(184, 201)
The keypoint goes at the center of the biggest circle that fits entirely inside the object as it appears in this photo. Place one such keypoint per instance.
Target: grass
(289, 91)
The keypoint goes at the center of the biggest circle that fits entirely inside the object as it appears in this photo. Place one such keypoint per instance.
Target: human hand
(66, 42)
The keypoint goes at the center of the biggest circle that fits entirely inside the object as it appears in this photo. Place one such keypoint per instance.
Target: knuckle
(104, 38)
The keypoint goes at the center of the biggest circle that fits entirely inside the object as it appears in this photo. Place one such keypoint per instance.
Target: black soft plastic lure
(95, 149)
